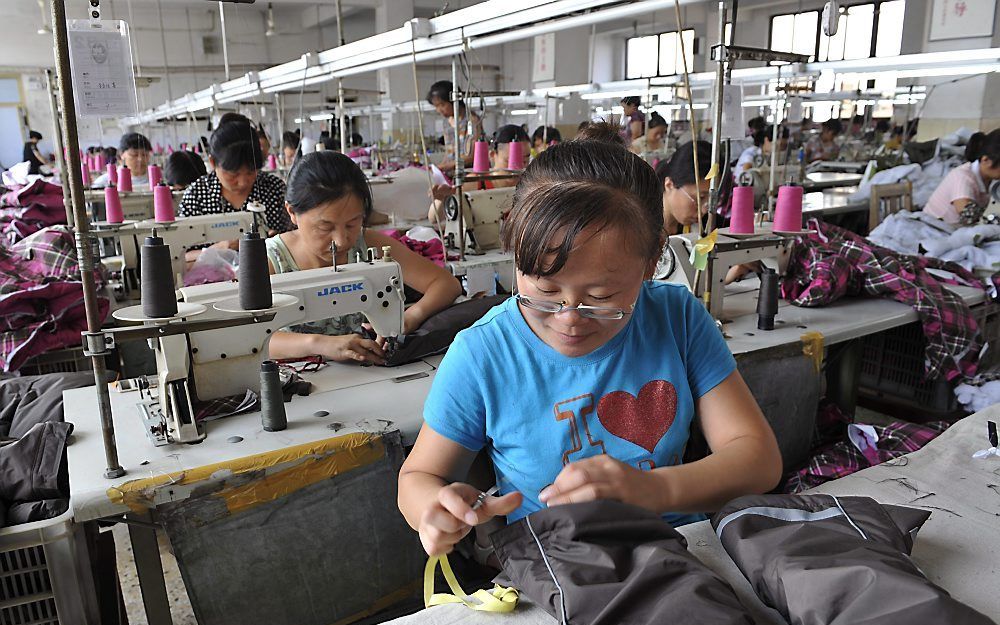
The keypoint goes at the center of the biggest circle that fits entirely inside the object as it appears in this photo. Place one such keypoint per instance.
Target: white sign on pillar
(957, 19)
(545, 58)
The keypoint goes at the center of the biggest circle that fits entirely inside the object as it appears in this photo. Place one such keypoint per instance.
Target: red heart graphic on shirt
(641, 420)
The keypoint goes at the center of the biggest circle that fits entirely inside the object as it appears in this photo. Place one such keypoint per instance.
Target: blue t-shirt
(501, 387)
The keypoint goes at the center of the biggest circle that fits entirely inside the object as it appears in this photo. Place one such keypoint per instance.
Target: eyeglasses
(693, 201)
(590, 312)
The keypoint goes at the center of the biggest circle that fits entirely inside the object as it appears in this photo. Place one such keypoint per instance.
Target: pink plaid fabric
(833, 263)
(41, 297)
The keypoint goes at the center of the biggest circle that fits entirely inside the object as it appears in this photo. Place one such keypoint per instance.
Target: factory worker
(633, 121)
(470, 127)
(236, 181)
(634, 363)
(824, 147)
(182, 168)
(653, 139)
(965, 191)
(542, 139)
(499, 159)
(329, 201)
(134, 151)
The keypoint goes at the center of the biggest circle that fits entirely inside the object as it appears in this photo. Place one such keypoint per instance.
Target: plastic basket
(45, 574)
(893, 370)
(69, 360)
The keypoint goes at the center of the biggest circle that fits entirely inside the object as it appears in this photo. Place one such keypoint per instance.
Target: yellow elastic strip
(713, 172)
(812, 347)
(317, 460)
(500, 600)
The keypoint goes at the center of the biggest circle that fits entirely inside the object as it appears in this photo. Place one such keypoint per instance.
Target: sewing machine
(180, 235)
(675, 265)
(225, 361)
(483, 211)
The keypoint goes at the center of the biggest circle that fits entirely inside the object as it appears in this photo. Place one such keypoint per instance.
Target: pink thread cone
(85, 172)
(481, 157)
(742, 215)
(788, 210)
(155, 175)
(515, 156)
(272, 162)
(112, 173)
(113, 205)
(125, 179)
(163, 204)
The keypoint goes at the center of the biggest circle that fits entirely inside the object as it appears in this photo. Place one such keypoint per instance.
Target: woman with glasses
(329, 202)
(586, 385)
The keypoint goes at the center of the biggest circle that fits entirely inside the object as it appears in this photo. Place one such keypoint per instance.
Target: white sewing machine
(483, 211)
(675, 265)
(180, 235)
(226, 361)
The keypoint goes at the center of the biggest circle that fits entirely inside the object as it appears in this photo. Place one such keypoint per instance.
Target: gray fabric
(31, 511)
(33, 470)
(827, 560)
(32, 399)
(605, 562)
(438, 332)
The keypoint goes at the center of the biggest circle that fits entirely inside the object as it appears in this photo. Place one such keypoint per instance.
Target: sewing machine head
(483, 212)
(675, 265)
(226, 361)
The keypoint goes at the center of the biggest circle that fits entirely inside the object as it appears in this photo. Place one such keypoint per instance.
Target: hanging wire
(423, 141)
(690, 102)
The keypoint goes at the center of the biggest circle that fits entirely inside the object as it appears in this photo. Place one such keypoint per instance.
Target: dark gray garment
(32, 399)
(34, 467)
(437, 333)
(30, 511)
(605, 562)
(825, 560)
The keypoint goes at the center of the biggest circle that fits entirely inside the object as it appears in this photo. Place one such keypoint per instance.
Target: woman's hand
(442, 192)
(603, 477)
(738, 272)
(351, 348)
(451, 517)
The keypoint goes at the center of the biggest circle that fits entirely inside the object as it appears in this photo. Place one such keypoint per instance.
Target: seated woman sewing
(683, 187)
(965, 191)
(134, 150)
(329, 201)
(499, 161)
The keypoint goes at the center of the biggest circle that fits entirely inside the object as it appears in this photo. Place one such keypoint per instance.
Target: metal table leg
(150, 571)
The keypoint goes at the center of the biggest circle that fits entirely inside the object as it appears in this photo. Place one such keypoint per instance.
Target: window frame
(690, 55)
(819, 24)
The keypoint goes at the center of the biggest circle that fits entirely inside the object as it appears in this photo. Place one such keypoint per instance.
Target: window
(865, 30)
(658, 55)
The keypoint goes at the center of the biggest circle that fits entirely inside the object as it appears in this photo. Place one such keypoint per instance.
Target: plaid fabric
(18, 223)
(41, 297)
(833, 263)
(843, 458)
(223, 406)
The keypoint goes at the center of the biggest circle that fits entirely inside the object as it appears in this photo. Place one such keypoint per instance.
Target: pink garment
(432, 250)
(38, 192)
(963, 182)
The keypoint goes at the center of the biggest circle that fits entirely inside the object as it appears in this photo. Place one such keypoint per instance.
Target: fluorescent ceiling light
(320, 117)
(524, 112)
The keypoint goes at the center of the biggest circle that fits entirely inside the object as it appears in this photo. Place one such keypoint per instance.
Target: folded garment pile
(972, 247)
(34, 479)
(41, 296)
(28, 208)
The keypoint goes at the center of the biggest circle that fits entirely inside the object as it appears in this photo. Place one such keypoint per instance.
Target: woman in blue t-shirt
(585, 385)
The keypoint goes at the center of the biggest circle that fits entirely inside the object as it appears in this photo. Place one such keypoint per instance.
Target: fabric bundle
(833, 263)
(41, 297)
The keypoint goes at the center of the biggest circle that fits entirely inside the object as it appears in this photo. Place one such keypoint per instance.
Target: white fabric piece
(976, 398)
(932, 173)
(17, 175)
(904, 232)
(962, 237)
(422, 233)
(886, 176)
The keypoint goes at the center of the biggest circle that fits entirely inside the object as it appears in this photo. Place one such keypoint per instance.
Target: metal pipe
(340, 85)
(60, 149)
(456, 103)
(779, 105)
(720, 80)
(225, 44)
(82, 231)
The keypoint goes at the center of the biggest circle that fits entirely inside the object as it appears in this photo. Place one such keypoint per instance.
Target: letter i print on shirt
(571, 410)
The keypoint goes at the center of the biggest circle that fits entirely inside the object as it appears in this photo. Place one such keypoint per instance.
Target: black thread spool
(254, 278)
(159, 299)
(767, 300)
(272, 402)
